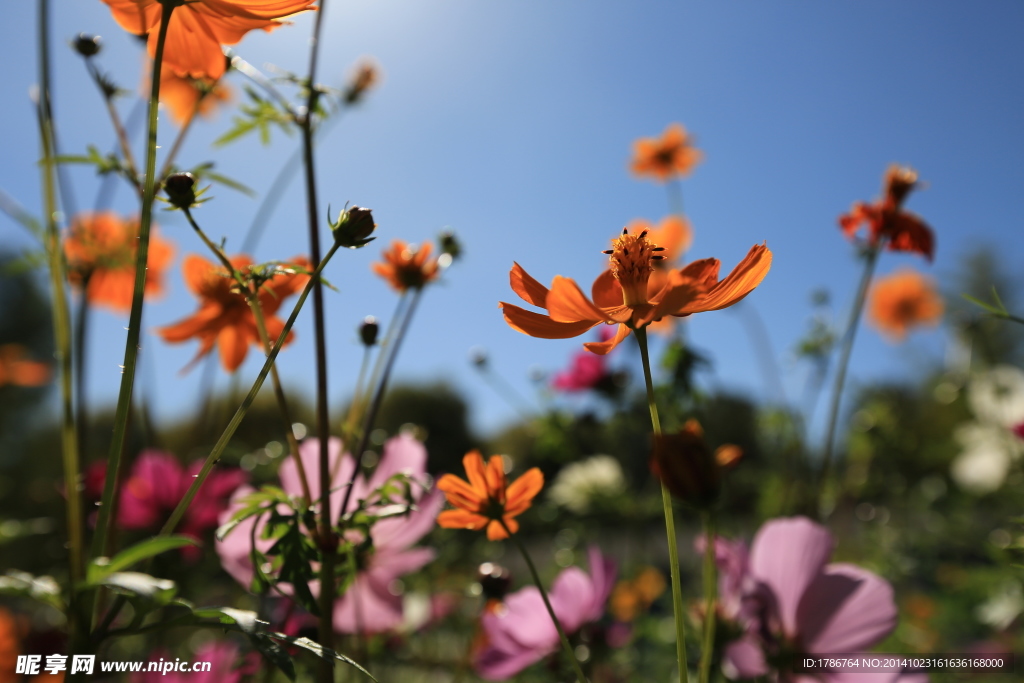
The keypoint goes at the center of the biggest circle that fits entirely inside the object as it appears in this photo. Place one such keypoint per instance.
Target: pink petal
(368, 606)
(402, 532)
(524, 622)
(746, 657)
(403, 454)
(495, 664)
(845, 609)
(786, 556)
(603, 572)
(572, 597)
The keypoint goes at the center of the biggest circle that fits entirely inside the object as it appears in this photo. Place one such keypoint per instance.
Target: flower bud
(688, 468)
(368, 331)
(478, 357)
(365, 77)
(450, 244)
(354, 227)
(180, 189)
(87, 45)
(495, 580)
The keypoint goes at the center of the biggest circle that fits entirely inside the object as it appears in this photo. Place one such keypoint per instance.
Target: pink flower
(222, 656)
(791, 603)
(520, 632)
(586, 370)
(1019, 430)
(369, 605)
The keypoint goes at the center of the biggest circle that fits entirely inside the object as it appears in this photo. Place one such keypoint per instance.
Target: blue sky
(512, 123)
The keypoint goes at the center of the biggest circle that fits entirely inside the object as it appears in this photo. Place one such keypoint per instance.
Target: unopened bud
(368, 331)
(365, 77)
(180, 189)
(354, 227)
(495, 580)
(687, 467)
(478, 356)
(87, 45)
(450, 244)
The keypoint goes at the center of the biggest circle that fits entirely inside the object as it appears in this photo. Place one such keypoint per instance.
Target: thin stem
(229, 431)
(62, 333)
(252, 298)
(670, 524)
(80, 339)
(179, 141)
(547, 603)
(357, 399)
(710, 596)
(844, 361)
(115, 120)
(105, 521)
(675, 196)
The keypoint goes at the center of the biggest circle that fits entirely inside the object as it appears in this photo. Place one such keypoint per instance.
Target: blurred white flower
(981, 469)
(997, 396)
(578, 485)
(1002, 607)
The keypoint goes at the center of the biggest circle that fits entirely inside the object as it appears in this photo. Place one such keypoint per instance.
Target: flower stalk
(670, 525)
(710, 596)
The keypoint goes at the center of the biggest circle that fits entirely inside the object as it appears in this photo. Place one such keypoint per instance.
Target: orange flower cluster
(902, 301)
(17, 370)
(886, 220)
(669, 156)
(224, 317)
(627, 295)
(100, 249)
(487, 499)
(632, 597)
(407, 267)
(185, 97)
(198, 28)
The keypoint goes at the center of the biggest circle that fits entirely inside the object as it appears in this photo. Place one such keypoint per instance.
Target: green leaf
(151, 547)
(148, 588)
(322, 652)
(42, 588)
(274, 653)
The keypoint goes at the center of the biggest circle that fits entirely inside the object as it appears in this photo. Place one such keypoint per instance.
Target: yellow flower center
(632, 258)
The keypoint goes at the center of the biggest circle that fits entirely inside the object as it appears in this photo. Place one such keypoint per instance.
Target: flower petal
(541, 326)
(845, 609)
(606, 291)
(568, 304)
(528, 289)
(605, 347)
(461, 519)
(747, 275)
(523, 490)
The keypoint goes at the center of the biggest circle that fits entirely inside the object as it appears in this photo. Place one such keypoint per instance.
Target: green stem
(710, 597)
(844, 362)
(675, 196)
(547, 603)
(105, 522)
(670, 524)
(236, 420)
(115, 120)
(62, 331)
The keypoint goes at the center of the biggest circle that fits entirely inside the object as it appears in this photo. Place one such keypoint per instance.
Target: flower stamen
(631, 258)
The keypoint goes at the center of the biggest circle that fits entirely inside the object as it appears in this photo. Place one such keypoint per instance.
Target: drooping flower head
(186, 97)
(666, 157)
(16, 369)
(688, 467)
(886, 220)
(627, 295)
(487, 500)
(370, 604)
(100, 249)
(902, 301)
(520, 632)
(407, 266)
(198, 28)
(224, 317)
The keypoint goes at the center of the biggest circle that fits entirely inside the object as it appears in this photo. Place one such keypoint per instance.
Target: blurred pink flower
(520, 632)
(369, 605)
(1019, 430)
(791, 602)
(586, 370)
(222, 655)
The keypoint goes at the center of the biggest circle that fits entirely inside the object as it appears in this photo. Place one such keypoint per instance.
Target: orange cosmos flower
(16, 370)
(407, 267)
(487, 498)
(902, 301)
(675, 235)
(198, 28)
(185, 96)
(627, 295)
(886, 219)
(666, 157)
(100, 249)
(224, 317)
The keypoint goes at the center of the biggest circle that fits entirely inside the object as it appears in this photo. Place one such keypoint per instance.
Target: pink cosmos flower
(222, 655)
(369, 605)
(586, 370)
(520, 632)
(791, 603)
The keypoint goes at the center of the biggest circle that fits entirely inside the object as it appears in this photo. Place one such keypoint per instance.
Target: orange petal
(233, 347)
(674, 234)
(747, 275)
(205, 320)
(528, 289)
(522, 491)
(495, 476)
(567, 304)
(455, 486)
(704, 271)
(474, 464)
(541, 326)
(680, 295)
(495, 532)
(603, 348)
(460, 519)
(606, 291)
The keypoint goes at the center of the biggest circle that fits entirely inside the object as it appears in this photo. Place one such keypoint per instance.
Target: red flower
(886, 219)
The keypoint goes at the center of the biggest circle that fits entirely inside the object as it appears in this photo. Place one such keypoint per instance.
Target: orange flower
(100, 248)
(16, 370)
(11, 634)
(886, 219)
(224, 317)
(185, 96)
(627, 295)
(902, 301)
(198, 28)
(487, 499)
(666, 157)
(406, 267)
(675, 235)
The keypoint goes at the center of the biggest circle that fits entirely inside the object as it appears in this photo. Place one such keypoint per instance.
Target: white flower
(579, 484)
(997, 396)
(981, 469)
(1002, 607)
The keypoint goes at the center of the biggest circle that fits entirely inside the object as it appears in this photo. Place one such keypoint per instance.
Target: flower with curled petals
(224, 317)
(666, 157)
(886, 220)
(487, 499)
(627, 295)
(198, 28)
(407, 267)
